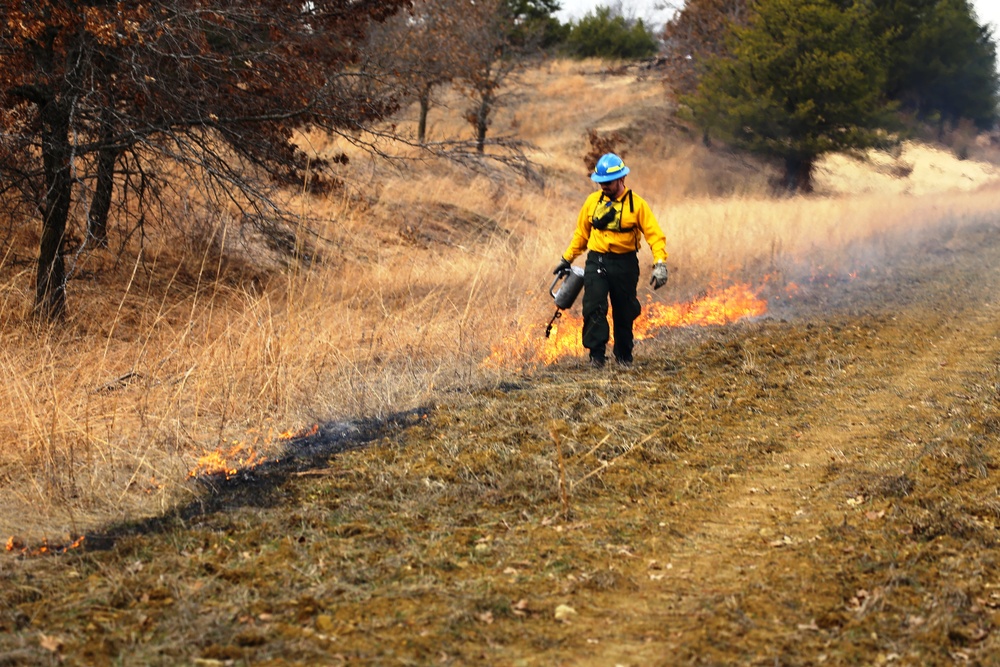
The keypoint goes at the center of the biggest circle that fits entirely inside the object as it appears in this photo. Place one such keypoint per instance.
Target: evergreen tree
(942, 62)
(607, 34)
(534, 23)
(803, 78)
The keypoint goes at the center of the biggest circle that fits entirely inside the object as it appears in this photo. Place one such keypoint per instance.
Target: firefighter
(611, 226)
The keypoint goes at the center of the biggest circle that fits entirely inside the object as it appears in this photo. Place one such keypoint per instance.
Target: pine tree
(942, 62)
(803, 78)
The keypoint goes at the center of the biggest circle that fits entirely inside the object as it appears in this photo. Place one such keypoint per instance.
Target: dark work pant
(611, 277)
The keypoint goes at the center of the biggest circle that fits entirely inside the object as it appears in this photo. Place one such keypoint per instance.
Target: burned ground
(817, 486)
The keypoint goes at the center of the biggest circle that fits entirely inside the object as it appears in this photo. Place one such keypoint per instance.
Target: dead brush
(566, 484)
(555, 432)
(751, 364)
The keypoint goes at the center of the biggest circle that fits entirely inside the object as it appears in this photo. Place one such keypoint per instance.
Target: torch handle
(552, 287)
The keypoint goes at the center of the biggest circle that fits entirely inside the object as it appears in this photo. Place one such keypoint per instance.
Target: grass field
(202, 352)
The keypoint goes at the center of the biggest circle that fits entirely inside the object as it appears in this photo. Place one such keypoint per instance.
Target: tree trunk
(482, 123)
(798, 174)
(50, 280)
(97, 216)
(425, 104)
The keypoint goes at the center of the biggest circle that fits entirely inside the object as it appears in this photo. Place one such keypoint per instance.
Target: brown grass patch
(411, 275)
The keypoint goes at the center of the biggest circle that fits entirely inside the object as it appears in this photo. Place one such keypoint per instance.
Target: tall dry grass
(193, 347)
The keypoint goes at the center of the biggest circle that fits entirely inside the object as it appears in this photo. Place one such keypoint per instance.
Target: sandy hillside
(916, 169)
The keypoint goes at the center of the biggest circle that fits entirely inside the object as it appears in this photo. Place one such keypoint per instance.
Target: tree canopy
(941, 62)
(797, 78)
(607, 33)
(803, 78)
(698, 31)
(422, 49)
(94, 94)
(533, 23)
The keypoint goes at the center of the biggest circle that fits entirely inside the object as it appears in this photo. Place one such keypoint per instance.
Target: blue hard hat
(609, 168)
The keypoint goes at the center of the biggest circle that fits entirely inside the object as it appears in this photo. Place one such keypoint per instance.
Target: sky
(656, 12)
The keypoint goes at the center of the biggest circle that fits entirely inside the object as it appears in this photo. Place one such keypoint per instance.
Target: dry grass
(180, 352)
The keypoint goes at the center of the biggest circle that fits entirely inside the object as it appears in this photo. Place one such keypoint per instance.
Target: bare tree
(697, 32)
(95, 94)
(423, 49)
(493, 62)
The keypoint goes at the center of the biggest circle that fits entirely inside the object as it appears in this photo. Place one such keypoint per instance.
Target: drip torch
(565, 296)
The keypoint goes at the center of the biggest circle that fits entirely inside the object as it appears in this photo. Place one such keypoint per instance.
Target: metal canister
(570, 289)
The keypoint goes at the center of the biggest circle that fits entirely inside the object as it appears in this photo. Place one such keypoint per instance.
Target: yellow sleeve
(581, 235)
(650, 227)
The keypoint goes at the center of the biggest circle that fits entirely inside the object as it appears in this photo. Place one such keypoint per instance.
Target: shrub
(607, 34)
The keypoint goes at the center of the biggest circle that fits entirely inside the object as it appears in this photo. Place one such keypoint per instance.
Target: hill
(813, 483)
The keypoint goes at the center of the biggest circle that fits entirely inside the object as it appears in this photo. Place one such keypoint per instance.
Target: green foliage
(804, 78)
(532, 9)
(607, 34)
(534, 23)
(942, 63)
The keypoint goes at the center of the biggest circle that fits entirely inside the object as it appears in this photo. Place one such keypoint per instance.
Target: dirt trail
(755, 576)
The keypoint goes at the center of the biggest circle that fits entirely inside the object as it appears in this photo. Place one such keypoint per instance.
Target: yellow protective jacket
(633, 219)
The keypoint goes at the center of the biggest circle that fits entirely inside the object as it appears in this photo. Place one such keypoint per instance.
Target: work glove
(659, 278)
(563, 268)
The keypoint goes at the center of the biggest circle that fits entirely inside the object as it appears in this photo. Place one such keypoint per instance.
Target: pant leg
(623, 280)
(596, 332)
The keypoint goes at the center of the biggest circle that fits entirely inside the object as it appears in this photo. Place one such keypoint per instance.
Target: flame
(15, 544)
(228, 460)
(719, 306)
(292, 434)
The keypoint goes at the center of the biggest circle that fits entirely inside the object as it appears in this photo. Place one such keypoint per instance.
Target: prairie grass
(415, 272)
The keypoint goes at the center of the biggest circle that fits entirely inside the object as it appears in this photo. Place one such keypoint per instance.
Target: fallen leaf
(50, 643)
(325, 624)
(564, 612)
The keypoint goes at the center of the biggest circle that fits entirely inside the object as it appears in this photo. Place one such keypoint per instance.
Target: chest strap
(631, 205)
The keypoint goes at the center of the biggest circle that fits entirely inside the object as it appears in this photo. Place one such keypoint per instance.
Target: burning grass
(718, 307)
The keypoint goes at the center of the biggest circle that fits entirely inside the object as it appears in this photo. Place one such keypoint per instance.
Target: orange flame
(719, 306)
(292, 434)
(15, 544)
(227, 460)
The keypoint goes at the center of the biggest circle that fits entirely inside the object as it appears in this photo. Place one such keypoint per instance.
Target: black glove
(659, 278)
(563, 268)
